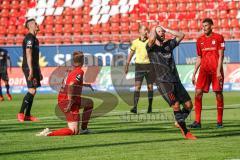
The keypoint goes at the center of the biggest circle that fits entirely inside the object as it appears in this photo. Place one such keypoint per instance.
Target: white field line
(117, 113)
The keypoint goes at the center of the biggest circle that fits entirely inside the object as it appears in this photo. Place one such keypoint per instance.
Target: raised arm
(152, 37)
(179, 35)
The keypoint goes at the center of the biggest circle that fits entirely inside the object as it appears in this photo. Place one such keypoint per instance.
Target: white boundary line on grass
(113, 113)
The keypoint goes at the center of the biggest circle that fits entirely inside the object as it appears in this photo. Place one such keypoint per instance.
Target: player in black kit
(160, 52)
(4, 63)
(31, 70)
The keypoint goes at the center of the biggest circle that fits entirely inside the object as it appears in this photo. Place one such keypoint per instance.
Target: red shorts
(73, 114)
(206, 78)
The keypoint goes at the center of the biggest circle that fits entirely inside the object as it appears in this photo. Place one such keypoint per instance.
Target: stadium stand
(101, 21)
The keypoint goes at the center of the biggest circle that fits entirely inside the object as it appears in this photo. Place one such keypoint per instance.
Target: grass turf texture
(119, 135)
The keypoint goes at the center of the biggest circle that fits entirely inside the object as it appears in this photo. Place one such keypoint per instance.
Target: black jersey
(161, 57)
(3, 60)
(30, 41)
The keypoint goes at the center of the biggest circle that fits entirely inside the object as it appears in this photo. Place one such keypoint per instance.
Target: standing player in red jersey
(70, 101)
(210, 50)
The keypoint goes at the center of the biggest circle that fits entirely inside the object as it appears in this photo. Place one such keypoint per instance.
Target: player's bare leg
(136, 96)
(87, 105)
(150, 97)
(220, 107)
(198, 109)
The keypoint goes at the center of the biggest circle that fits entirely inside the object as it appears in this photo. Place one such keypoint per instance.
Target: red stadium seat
(201, 6)
(59, 3)
(106, 38)
(224, 23)
(78, 11)
(134, 27)
(181, 7)
(115, 28)
(15, 4)
(232, 5)
(153, 8)
(86, 29)
(233, 13)
(86, 19)
(115, 19)
(23, 4)
(77, 19)
(193, 24)
(77, 28)
(21, 29)
(77, 38)
(48, 29)
(125, 18)
(86, 39)
(163, 7)
(86, 9)
(96, 29)
(115, 38)
(236, 33)
(5, 4)
(67, 28)
(234, 23)
(173, 25)
(68, 11)
(58, 20)
(3, 30)
(67, 39)
(10, 39)
(124, 28)
(191, 6)
(172, 7)
(105, 28)
(49, 20)
(58, 28)
(12, 29)
(223, 14)
(4, 13)
(96, 39)
(4, 21)
(58, 39)
(68, 20)
(183, 25)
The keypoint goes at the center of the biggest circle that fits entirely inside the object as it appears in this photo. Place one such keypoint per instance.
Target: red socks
(61, 132)
(220, 104)
(198, 108)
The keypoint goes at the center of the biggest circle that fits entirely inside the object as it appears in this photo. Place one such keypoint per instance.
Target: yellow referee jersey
(139, 47)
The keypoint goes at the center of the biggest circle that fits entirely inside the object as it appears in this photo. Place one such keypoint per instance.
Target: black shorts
(35, 82)
(173, 92)
(144, 70)
(4, 76)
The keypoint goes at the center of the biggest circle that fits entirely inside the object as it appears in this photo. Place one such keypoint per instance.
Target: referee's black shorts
(35, 82)
(173, 92)
(4, 76)
(144, 70)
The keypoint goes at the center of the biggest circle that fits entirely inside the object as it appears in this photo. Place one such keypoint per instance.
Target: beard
(159, 38)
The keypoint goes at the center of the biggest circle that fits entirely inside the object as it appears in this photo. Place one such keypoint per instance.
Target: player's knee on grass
(74, 126)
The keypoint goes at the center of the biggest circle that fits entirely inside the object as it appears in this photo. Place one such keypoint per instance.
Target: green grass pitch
(119, 135)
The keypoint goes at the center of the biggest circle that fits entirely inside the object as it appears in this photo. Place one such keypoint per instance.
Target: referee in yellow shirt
(143, 67)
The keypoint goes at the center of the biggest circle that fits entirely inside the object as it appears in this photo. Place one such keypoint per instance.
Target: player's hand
(193, 79)
(30, 76)
(90, 86)
(126, 69)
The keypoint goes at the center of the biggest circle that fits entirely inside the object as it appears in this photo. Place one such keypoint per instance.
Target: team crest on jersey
(29, 43)
(79, 77)
(213, 42)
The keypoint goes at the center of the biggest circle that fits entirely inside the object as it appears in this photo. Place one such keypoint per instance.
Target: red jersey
(75, 77)
(208, 48)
